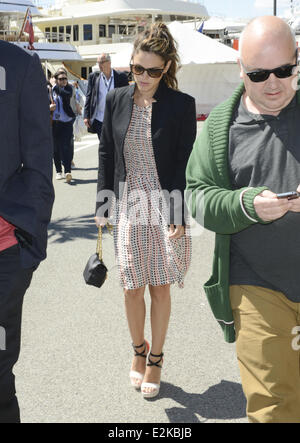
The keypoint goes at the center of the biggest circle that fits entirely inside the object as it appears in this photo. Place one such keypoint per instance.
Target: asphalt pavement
(76, 348)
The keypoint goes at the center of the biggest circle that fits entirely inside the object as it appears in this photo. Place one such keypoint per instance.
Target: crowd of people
(243, 170)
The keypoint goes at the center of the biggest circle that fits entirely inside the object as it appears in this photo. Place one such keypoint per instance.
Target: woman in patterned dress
(148, 133)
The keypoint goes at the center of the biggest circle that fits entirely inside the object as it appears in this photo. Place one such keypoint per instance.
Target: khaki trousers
(268, 349)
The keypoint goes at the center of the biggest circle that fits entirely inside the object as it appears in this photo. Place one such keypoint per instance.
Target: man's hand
(87, 122)
(295, 204)
(269, 208)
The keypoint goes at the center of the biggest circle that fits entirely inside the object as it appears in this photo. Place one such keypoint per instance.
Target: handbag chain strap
(99, 240)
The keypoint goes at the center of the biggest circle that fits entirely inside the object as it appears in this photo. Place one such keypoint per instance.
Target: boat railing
(55, 37)
(12, 36)
(122, 38)
(47, 37)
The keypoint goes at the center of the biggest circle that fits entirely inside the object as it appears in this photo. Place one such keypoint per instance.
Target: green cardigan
(207, 176)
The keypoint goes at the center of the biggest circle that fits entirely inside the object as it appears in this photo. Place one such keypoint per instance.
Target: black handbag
(95, 272)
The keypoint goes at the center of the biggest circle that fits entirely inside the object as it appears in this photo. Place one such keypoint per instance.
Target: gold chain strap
(99, 240)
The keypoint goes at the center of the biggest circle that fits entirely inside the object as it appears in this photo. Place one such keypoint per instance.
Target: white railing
(55, 37)
(48, 37)
(11, 36)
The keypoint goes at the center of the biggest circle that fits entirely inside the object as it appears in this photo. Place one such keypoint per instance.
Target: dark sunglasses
(263, 75)
(152, 72)
(62, 78)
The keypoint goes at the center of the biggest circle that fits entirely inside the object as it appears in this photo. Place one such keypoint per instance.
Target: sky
(245, 8)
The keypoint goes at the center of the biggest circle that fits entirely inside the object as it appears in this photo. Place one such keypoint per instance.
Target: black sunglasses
(152, 72)
(263, 75)
(62, 78)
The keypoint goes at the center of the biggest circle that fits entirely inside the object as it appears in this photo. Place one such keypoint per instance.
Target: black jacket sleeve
(87, 106)
(106, 156)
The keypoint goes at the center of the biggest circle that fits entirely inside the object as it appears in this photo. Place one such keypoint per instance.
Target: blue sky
(244, 8)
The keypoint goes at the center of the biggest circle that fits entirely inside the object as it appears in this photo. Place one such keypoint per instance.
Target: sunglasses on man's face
(62, 78)
(152, 72)
(263, 75)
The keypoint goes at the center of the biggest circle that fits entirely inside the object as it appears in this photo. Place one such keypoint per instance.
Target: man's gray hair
(107, 57)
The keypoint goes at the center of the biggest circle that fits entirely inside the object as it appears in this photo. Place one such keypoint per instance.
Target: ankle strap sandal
(151, 390)
(136, 378)
(144, 345)
(157, 363)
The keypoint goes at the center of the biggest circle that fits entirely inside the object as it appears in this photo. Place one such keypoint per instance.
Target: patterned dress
(144, 253)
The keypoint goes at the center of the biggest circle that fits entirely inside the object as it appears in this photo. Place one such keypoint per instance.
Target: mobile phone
(289, 195)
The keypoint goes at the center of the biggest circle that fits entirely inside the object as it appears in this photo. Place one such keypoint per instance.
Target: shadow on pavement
(78, 181)
(83, 169)
(224, 401)
(67, 229)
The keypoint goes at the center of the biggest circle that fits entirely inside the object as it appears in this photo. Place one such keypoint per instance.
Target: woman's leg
(67, 146)
(56, 147)
(160, 316)
(136, 313)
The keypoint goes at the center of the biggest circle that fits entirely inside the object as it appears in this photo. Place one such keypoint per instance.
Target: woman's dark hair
(60, 71)
(157, 39)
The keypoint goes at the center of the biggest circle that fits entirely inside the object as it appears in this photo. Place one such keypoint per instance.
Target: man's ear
(241, 69)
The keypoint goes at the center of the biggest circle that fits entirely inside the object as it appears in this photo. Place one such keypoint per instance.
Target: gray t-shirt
(265, 151)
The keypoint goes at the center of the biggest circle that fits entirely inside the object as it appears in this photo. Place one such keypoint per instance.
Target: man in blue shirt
(99, 84)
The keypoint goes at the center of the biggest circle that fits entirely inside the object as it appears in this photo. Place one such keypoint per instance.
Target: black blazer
(66, 95)
(92, 95)
(26, 191)
(174, 130)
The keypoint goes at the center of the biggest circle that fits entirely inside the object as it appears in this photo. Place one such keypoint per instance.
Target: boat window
(68, 32)
(131, 30)
(54, 34)
(61, 31)
(122, 29)
(102, 31)
(75, 33)
(111, 30)
(47, 34)
(87, 32)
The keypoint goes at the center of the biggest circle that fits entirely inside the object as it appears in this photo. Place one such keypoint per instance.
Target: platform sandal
(136, 378)
(154, 386)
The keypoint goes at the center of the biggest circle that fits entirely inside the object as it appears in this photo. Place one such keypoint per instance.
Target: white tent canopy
(209, 69)
(217, 24)
(197, 48)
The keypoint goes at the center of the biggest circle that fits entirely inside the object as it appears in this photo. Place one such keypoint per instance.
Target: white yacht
(12, 15)
(110, 25)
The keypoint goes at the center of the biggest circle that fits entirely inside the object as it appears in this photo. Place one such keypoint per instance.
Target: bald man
(99, 84)
(246, 157)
